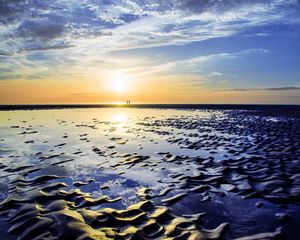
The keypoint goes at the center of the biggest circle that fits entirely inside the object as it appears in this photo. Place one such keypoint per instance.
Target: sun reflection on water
(119, 117)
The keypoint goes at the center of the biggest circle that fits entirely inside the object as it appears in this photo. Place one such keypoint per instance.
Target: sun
(120, 83)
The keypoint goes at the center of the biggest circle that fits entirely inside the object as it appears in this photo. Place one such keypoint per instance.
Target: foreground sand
(149, 174)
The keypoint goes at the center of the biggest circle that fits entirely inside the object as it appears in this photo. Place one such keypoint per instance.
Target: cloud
(84, 32)
(288, 88)
(44, 31)
(217, 74)
(194, 64)
(47, 48)
(135, 24)
(85, 94)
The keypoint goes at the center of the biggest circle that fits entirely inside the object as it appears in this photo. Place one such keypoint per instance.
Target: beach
(150, 173)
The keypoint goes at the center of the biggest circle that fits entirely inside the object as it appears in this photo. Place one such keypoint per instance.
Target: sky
(150, 51)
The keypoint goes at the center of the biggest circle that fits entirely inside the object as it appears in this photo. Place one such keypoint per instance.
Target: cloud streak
(287, 88)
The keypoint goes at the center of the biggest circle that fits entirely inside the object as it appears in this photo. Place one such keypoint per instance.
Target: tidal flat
(148, 173)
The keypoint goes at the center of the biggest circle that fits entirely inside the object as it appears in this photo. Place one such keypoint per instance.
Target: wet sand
(120, 173)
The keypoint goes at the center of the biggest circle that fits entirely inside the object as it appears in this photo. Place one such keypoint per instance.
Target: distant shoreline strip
(272, 107)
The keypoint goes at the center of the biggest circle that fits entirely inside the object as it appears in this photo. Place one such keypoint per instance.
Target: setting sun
(120, 83)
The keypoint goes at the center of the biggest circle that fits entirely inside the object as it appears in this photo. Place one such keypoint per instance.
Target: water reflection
(119, 117)
(119, 152)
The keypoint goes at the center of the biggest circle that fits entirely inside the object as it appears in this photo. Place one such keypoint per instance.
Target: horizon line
(248, 106)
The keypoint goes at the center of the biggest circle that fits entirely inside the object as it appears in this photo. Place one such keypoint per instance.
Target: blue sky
(241, 47)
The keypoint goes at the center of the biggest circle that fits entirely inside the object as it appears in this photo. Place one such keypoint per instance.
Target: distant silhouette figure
(128, 102)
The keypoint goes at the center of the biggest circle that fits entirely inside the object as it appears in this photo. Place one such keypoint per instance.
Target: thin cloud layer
(288, 88)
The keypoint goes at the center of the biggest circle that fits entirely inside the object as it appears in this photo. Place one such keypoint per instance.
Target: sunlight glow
(120, 83)
(119, 117)
(117, 103)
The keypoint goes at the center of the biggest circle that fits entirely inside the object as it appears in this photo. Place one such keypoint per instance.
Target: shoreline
(272, 107)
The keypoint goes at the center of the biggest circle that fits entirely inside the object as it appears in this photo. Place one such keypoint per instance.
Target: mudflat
(150, 173)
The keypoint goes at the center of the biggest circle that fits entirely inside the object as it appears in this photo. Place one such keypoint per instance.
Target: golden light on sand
(120, 83)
